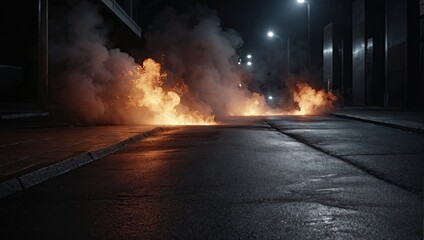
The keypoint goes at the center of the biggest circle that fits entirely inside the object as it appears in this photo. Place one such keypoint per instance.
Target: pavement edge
(379, 122)
(40, 175)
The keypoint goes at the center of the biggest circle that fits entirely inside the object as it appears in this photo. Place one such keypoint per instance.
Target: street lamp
(249, 56)
(271, 34)
(309, 29)
(249, 63)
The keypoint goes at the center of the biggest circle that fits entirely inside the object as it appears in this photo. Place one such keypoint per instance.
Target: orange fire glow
(253, 105)
(311, 101)
(161, 106)
(164, 106)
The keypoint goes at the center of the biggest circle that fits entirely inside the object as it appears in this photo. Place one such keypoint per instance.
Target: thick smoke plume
(192, 77)
(92, 80)
(198, 52)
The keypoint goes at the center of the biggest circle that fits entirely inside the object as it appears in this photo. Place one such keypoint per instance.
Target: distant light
(270, 34)
(239, 85)
(270, 97)
(301, 1)
(239, 63)
(249, 63)
(249, 56)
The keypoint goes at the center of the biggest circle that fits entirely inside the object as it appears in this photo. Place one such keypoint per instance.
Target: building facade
(337, 60)
(422, 48)
(24, 68)
(386, 54)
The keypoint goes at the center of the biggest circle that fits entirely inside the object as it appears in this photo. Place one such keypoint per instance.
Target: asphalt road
(280, 178)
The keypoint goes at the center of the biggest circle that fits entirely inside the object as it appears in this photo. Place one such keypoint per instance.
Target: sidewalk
(408, 121)
(29, 156)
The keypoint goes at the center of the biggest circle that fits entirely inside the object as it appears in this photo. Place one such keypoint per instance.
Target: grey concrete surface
(391, 154)
(220, 182)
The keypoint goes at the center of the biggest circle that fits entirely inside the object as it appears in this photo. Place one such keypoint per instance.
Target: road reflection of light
(327, 219)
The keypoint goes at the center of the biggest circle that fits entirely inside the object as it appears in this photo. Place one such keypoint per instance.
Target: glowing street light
(249, 56)
(270, 97)
(301, 1)
(249, 63)
(271, 34)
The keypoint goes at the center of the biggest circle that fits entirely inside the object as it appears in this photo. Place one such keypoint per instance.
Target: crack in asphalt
(381, 154)
(340, 157)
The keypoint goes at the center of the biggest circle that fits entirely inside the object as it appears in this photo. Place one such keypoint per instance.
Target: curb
(382, 123)
(11, 116)
(27, 180)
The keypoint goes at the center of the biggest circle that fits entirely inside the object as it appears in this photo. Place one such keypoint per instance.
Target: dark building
(368, 53)
(24, 68)
(337, 60)
(422, 49)
(402, 58)
(385, 54)
(19, 52)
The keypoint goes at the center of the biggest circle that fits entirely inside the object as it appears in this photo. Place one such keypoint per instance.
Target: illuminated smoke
(200, 53)
(98, 85)
(192, 78)
(164, 106)
(311, 101)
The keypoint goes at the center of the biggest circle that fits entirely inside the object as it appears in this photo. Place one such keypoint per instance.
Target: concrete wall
(403, 53)
(375, 45)
(328, 59)
(385, 49)
(396, 53)
(337, 60)
(358, 52)
(422, 50)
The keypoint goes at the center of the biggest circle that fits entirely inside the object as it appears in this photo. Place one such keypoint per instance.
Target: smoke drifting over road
(192, 79)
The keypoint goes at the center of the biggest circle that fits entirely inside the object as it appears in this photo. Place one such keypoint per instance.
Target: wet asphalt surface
(277, 178)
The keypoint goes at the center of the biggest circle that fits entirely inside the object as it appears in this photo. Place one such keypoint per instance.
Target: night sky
(253, 18)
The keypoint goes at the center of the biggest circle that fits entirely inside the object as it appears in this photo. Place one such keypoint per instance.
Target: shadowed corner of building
(26, 86)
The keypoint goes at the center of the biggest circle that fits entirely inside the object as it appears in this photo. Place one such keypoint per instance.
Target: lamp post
(271, 34)
(309, 29)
